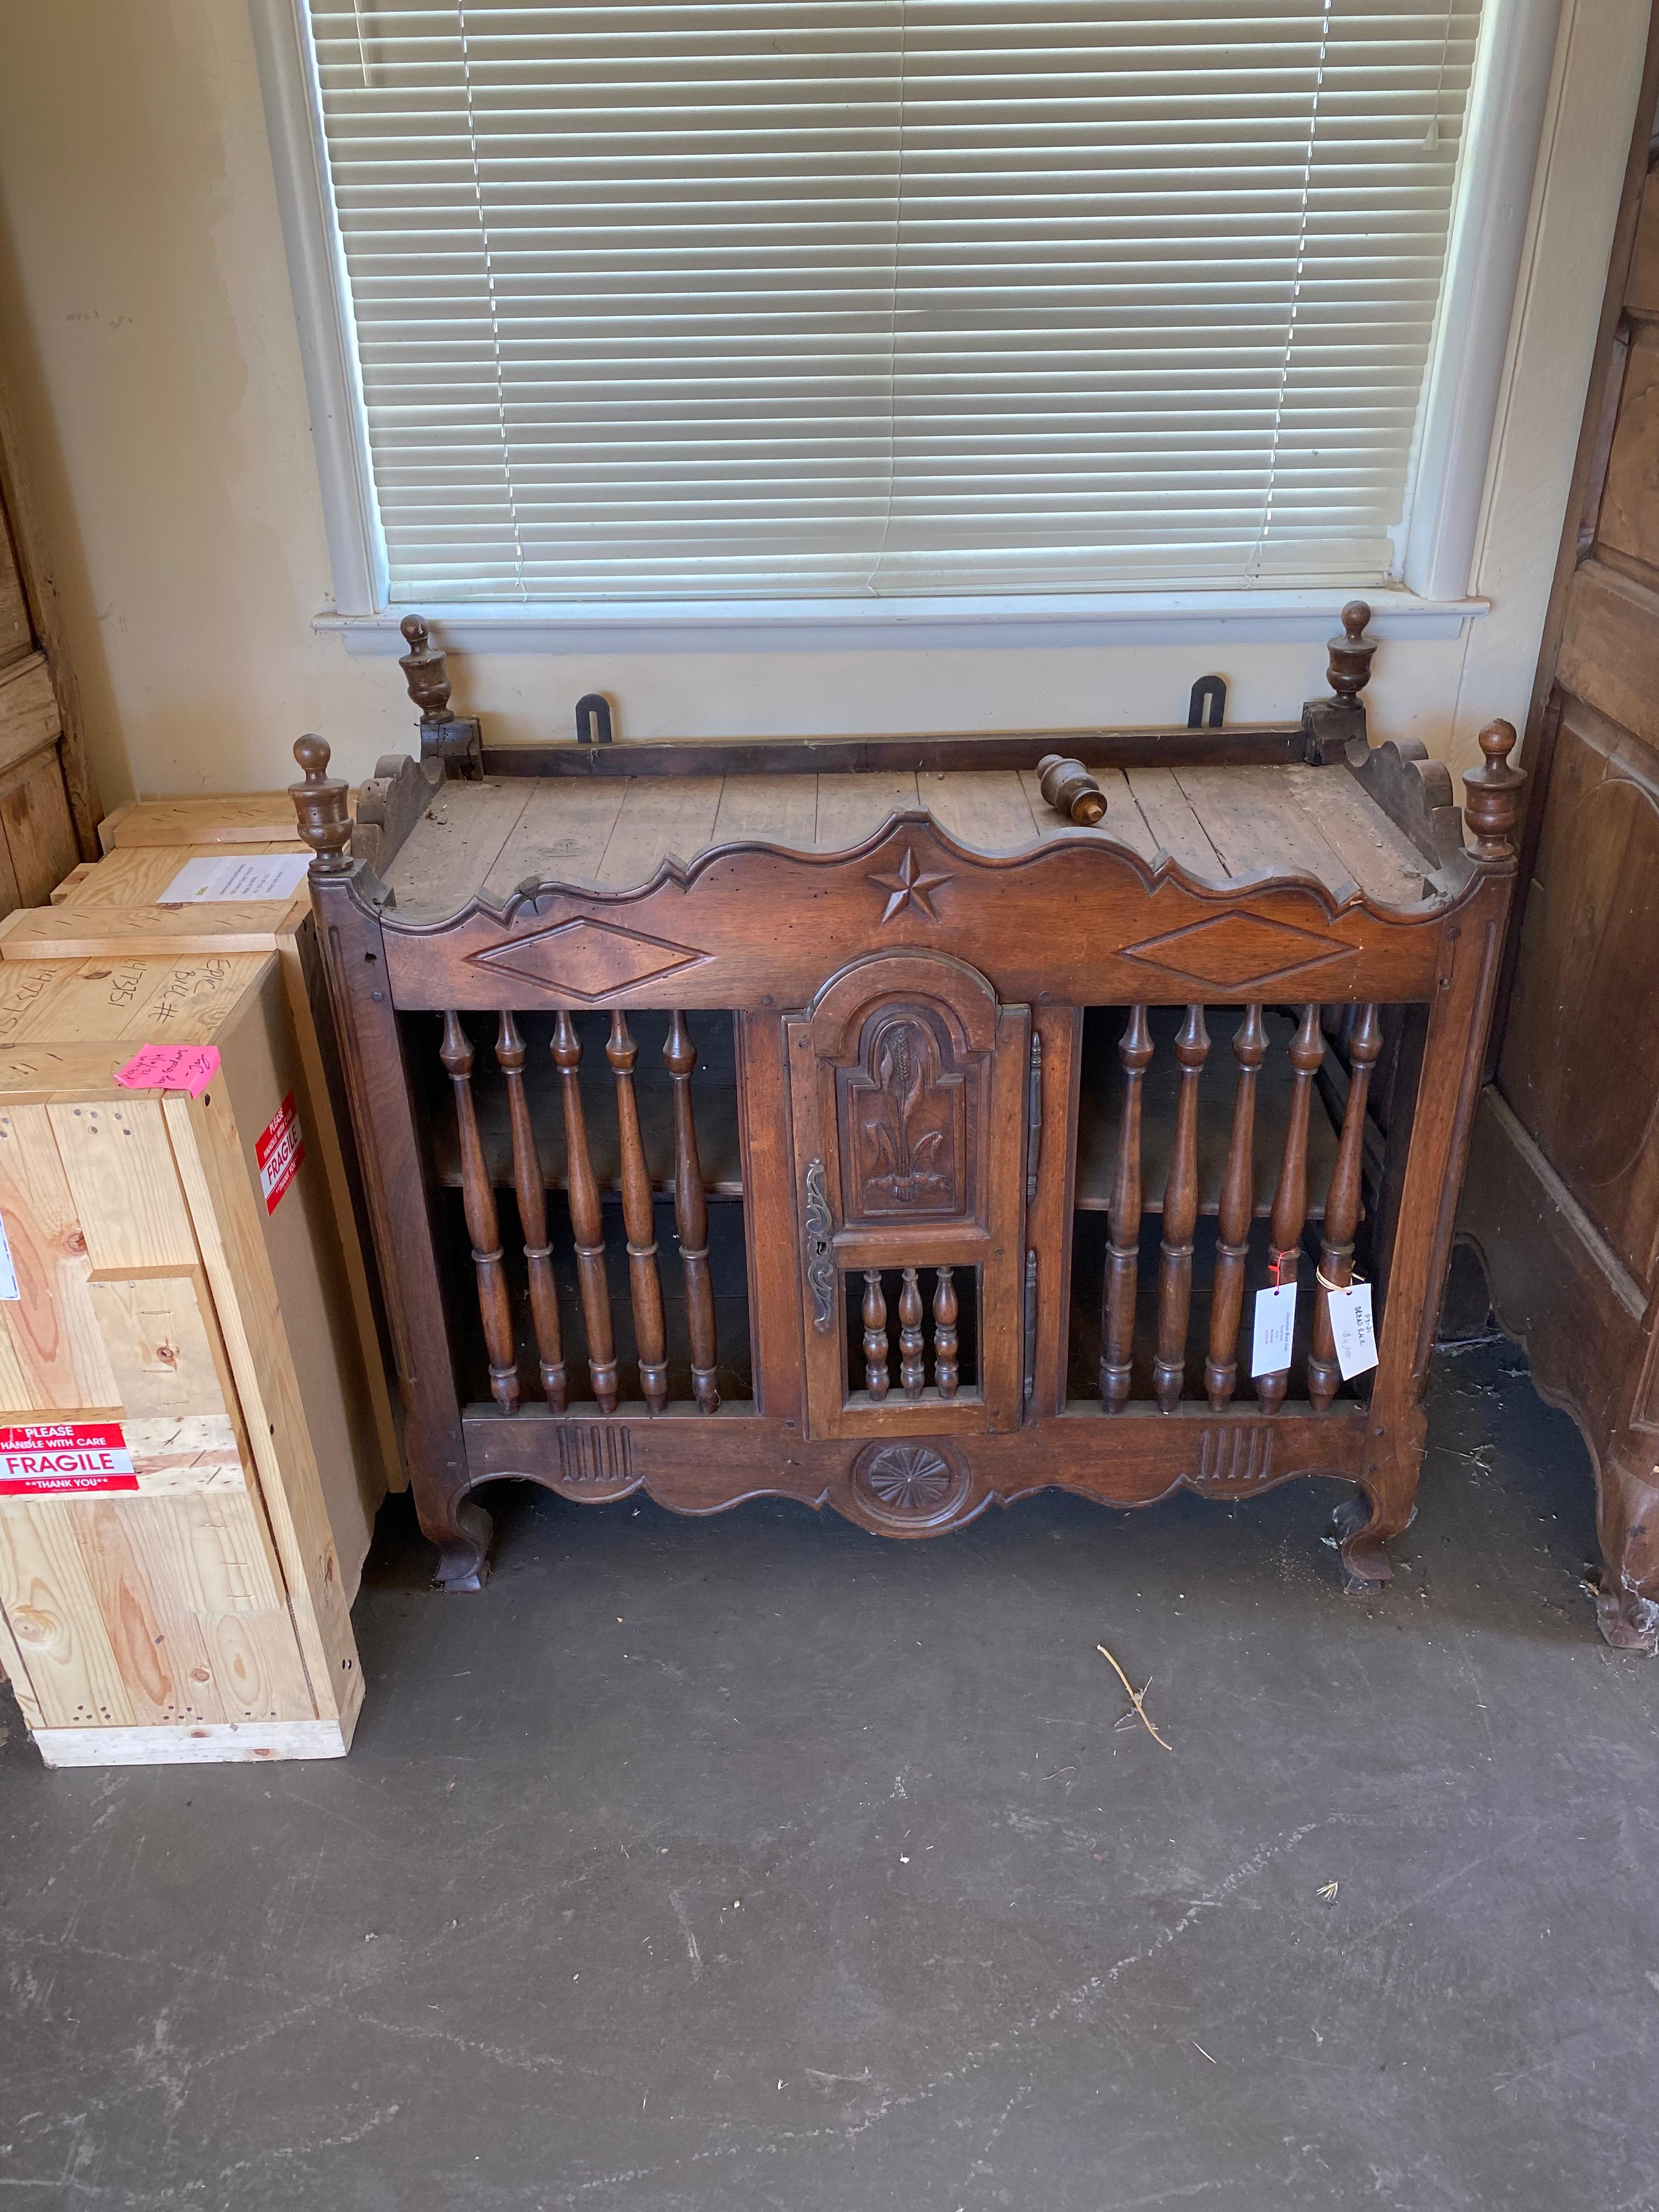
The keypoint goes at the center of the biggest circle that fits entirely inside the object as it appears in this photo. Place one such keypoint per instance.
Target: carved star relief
(909, 887)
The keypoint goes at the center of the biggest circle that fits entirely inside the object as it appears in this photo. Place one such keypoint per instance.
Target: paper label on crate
(65, 1458)
(1350, 1329)
(237, 876)
(170, 1068)
(1275, 1328)
(8, 1273)
(279, 1148)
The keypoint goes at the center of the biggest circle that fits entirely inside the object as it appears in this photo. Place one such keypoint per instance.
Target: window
(842, 299)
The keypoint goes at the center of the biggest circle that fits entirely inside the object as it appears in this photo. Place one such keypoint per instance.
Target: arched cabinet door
(906, 1082)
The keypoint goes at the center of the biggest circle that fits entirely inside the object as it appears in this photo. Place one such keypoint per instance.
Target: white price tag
(1350, 1329)
(1275, 1328)
(7, 1273)
(237, 876)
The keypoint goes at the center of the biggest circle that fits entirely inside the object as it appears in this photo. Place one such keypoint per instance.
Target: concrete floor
(759, 1862)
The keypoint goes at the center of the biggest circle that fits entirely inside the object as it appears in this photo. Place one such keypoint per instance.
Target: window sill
(1160, 617)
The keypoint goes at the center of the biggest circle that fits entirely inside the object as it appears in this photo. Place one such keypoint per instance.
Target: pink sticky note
(189, 1068)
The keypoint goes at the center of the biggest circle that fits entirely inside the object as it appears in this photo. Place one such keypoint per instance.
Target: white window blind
(841, 298)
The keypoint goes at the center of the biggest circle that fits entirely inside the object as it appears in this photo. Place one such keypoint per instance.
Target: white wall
(147, 329)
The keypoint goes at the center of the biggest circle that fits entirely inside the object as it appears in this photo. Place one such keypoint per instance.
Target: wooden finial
(1070, 789)
(1492, 795)
(1350, 668)
(321, 810)
(426, 672)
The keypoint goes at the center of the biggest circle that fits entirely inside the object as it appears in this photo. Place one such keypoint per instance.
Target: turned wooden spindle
(945, 1369)
(691, 1217)
(1234, 1215)
(1117, 1293)
(531, 1187)
(1174, 1265)
(639, 1220)
(875, 1334)
(482, 1222)
(1349, 670)
(1070, 789)
(587, 1217)
(426, 670)
(1342, 1203)
(1290, 1213)
(912, 1372)
(1492, 796)
(322, 808)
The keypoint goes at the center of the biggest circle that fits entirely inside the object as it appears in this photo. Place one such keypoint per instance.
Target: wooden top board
(1223, 826)
(236, 818)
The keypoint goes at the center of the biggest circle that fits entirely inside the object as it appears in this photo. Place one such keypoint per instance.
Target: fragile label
(278, 1149)
(1350, 1329)
(237, 876)
(65, 1458)
(1275, 1329)
(189, 1068)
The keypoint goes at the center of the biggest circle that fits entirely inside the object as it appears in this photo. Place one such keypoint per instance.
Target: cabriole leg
(1627, 1522)
(461, 1530)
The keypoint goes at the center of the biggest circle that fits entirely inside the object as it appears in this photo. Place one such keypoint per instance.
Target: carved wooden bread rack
(683, 1071)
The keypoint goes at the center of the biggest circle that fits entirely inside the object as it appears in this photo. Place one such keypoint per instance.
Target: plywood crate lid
(248, 817)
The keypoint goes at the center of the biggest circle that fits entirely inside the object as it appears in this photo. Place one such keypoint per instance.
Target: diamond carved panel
(1235, 951)
(588, 959)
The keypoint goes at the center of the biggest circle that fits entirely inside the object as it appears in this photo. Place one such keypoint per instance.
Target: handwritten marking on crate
(189, 1068)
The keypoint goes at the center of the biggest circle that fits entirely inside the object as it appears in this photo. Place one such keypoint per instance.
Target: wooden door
(48, 804)
(1579, 1060)
(907, 1080)
(1562, 1200)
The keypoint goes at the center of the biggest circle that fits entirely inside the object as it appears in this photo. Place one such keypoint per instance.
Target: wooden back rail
(925, 1108)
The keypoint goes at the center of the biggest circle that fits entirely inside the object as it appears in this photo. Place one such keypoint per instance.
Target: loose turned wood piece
(1174, 1270)
(1349, 669)
(587, 1217)
(1234, 1215)
(530, 1186)
(945, 1334)
(639, 1220)
(691, 1217)
(1492, 795)
(1342, 1203)
(482, 1222)
(321, 806)
(1117, 1292)
(426, 670)
(1290, 1213)
(1070, 789)
(875, 1334)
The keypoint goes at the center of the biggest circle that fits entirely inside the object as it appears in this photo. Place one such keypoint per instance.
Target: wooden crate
(109, 908)
(202, 1610)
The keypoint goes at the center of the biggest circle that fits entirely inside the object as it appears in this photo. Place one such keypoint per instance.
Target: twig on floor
(1136, 1697)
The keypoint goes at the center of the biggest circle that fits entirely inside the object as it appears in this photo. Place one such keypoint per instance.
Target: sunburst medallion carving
(903, 1484)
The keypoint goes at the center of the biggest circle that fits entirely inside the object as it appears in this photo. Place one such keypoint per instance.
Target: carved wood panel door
(907, 1087)
(1579, 1066)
